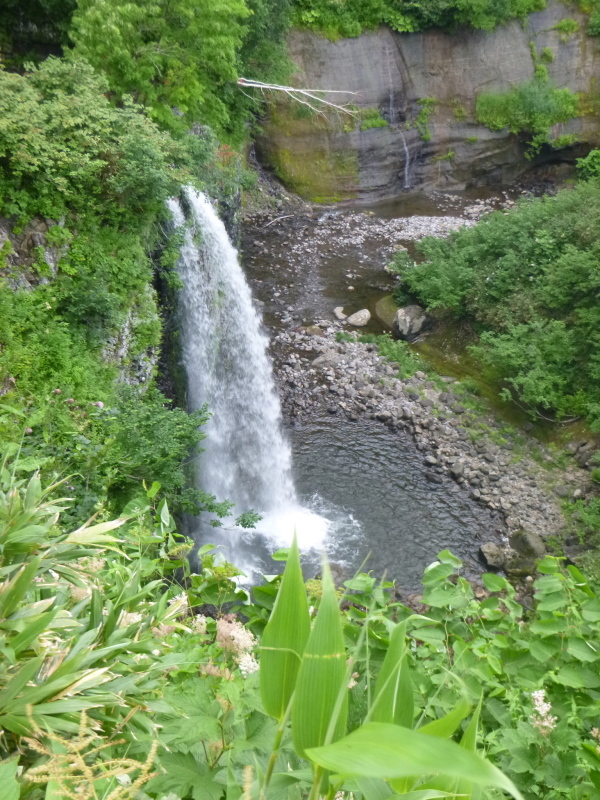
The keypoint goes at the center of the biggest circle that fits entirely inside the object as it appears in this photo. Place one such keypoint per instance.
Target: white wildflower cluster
(353, 680)
(596, 734)
(233, 638)
(179, 598)
(541, 717)
(93, 565)
(247, 664)
(128, 618)
(79, 593)
(199, 624)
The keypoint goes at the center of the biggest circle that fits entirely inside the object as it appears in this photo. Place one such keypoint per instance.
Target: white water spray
(406, 161)
(247, 459)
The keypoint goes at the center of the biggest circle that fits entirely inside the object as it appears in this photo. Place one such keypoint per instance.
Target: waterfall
(246, 458)
(406, 161)
(392, 108)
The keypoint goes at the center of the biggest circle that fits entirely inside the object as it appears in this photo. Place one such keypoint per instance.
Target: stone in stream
(360, 318)
(493, 555)
(528, 543)
(339, 313)
(410, 321)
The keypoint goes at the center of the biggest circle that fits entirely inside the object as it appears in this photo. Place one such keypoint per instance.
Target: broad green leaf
(284, 639)
(494, 583)
(13, 592)
(446, 557)
(153, 490)
(582, 649)
(8, 779)
(20, 680)
(321, 676)
(446, 725)
(393, 696)
(437, 572)
(32, 631)
(543, 650)
(379, 750)
(95, 533)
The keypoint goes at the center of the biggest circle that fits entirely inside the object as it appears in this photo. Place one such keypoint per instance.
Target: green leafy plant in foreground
(364, 696)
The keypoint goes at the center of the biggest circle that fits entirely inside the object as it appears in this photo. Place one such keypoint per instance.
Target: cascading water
(406, 161)
(247, 459)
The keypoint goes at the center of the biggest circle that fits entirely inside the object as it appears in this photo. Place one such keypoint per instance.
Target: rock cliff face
(328, 158)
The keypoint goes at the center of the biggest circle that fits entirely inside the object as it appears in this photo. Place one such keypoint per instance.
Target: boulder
(410, 321)
(360, 318)
(528, 543)
(493, 555)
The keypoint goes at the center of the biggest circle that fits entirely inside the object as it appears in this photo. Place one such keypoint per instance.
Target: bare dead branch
(314, 101)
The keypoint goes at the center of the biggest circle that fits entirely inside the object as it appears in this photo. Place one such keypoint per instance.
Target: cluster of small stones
(314, 370)
(19, 252)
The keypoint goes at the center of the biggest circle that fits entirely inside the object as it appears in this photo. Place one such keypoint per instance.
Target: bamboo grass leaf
(393, 697)
(387, 751)
(284, 639)
(8, 779)
(448, 724)
(321, 676)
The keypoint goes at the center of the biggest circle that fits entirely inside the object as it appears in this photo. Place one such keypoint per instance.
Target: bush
(112, 667)
(588, 168)
(531, 108)
(371, 118)
(337, 20)
(527, 281)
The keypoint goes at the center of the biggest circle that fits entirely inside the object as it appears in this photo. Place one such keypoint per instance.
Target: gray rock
(528, 544)
(563, 491)
(339, 313)
(432, 63)
(360, 318)
(409, 321)
(493, 555)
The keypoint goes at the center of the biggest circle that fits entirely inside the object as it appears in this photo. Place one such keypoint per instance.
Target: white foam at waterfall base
(246, 458)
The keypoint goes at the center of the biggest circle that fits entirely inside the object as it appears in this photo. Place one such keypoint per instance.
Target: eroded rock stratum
(425, 86)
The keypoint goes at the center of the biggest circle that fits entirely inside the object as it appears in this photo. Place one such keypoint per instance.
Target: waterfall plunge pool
(347, 488)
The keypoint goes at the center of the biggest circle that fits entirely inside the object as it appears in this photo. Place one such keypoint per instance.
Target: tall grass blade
(385, 696)
(380, 750)
(321, 676)
(284, 639)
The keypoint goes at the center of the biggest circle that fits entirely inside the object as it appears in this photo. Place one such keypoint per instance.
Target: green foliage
(458, 110)
(446, 157)
(547, 55)
(588, 168)
(182, 60)
(168, 55)
(426, 108)
(336, 20)
(528, 281)
(531, 108)
(93, 623)
(566, 27)
(371, 118)
(62, 144)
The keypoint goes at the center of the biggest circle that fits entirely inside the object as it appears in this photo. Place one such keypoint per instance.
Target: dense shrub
(113, 672)
(531, 108)
(528, 281)
(350, 18)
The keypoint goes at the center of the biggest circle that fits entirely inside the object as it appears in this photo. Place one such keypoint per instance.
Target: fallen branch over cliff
(301, 95)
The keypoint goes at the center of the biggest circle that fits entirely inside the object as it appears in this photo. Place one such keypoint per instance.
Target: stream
(368, 482)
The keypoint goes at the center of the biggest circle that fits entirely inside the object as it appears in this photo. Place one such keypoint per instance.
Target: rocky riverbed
(351, 379)
(305, 261)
